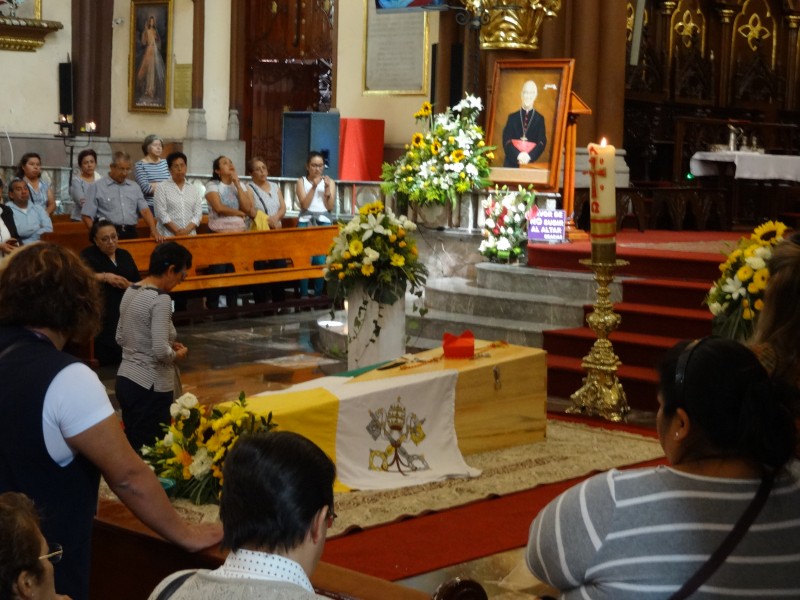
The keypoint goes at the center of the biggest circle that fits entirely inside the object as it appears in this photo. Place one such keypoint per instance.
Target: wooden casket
(501, 393)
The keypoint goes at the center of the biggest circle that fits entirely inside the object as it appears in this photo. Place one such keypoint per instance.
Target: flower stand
(433, 215)
(364, 348)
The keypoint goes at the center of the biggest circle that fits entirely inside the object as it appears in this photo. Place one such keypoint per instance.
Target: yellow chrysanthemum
(758, 305)
(744, 273)
(761, 276)
(392, 237)
(753, 288)
(367, 270)
(481, 144)
(401, 232)
(398, 260)
(356, 247)
(451, 140)
(341, 275)
(747, 314)
(402, 244)
(490, 155)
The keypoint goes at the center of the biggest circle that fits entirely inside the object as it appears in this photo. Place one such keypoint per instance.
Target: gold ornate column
(726, 15)
(792, 59)
(663, 47)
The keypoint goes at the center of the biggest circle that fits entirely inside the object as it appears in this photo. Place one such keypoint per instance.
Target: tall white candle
(603, 201)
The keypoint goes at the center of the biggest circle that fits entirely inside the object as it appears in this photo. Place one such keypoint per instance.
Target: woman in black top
(116, 270)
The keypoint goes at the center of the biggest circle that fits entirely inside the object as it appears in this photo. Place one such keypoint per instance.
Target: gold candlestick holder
(602, 393)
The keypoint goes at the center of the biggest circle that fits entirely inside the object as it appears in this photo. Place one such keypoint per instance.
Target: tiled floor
(274, 352)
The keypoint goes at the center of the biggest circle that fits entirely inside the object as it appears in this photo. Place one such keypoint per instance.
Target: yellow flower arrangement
(375, 251)
(196, 442)
(736, 298)
(448, 158)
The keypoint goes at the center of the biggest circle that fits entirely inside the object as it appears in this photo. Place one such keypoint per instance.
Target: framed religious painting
(150, 64)
(527, 120)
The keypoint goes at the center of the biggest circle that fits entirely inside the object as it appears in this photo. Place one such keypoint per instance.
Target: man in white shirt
(276, 507)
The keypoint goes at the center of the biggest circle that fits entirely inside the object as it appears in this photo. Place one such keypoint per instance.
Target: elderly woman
(230, 204)
(146, 376)
(59, 432)
(152, 169)
(87, 162)
(267, 197)
(26, 559)
(116, 271)
(648, 533)
(178, 205)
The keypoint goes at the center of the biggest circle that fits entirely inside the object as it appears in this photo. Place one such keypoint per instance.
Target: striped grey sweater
(145, 332)
(640, 534)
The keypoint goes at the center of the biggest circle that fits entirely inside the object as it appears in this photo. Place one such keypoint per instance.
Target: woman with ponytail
(723, 520)
(777, 337)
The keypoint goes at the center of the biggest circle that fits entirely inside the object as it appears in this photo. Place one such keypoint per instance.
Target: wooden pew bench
(242, 250)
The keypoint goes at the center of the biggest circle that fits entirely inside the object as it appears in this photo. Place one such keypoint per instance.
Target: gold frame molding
(26, 34)
(139, 9)
(367, 88)
(553, 78)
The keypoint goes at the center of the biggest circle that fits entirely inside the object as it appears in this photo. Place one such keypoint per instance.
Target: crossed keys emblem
(396, 427)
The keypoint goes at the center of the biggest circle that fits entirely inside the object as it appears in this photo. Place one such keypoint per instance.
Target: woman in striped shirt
(641, 534)
(152, 169)
(146, 376)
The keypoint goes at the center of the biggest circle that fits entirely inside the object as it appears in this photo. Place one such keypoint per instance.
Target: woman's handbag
(260, 222)
(226, 224)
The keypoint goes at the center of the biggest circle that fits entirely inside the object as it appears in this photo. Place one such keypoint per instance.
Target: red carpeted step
(681, 323)
(633, 349)
(565, 376)
(643, 263)
(666, 292)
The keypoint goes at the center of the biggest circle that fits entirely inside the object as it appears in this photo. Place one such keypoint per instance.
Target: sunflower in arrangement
(737, 297)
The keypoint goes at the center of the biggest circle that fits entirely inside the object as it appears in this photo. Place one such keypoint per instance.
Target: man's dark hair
(274, 485)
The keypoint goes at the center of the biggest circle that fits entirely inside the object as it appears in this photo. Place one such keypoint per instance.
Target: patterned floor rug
(570, 450)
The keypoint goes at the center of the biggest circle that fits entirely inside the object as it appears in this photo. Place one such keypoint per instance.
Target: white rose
(188, 400)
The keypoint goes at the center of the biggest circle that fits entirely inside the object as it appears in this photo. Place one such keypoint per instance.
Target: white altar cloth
(748, 165)
(386, 436)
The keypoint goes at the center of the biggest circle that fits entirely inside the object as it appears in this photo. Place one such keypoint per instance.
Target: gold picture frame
(150, 58)
(395, 52)
(505, 120)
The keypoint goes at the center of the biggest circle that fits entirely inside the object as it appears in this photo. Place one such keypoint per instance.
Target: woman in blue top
(30, 171)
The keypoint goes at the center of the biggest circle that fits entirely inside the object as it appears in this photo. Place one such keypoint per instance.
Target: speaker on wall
(65, 88)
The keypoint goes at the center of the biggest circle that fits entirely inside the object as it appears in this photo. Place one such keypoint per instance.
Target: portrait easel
(576, 108)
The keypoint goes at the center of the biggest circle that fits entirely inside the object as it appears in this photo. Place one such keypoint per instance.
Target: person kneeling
(276, 507)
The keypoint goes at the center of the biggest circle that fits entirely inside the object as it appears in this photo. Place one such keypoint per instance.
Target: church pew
(297, 245)
(128, 561)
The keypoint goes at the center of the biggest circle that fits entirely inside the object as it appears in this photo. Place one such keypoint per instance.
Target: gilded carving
(754, 32)
(510, 24)
(25, 34)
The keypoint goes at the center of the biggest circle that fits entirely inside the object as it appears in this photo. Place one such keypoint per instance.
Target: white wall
(397, 111)
(30, 79)
(172, 125)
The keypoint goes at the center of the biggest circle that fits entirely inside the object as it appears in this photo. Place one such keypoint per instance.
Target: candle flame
(603, 142)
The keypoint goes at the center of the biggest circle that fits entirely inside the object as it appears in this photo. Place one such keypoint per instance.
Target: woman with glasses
(316, 195)
(116, 271)
(662, 532)
(276, 508)
(26, 559)
(147, 375)
(58, 429)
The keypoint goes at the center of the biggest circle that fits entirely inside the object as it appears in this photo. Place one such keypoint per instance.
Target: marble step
(465, 297)
(427, 331)
(547, 282)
